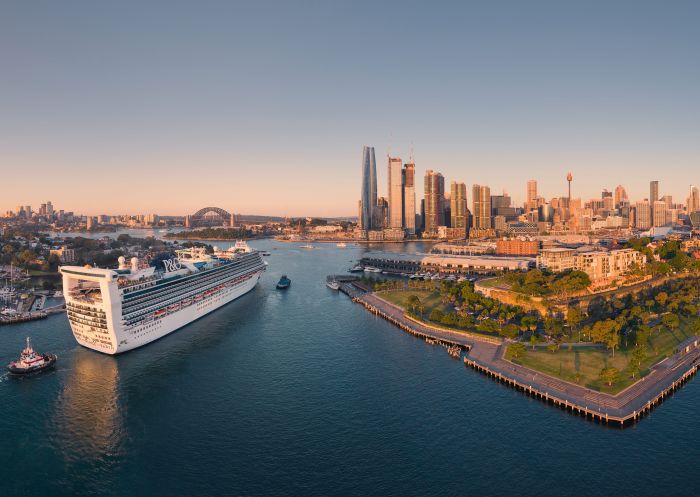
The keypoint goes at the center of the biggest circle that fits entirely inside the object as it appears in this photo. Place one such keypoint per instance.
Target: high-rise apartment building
(381, 214)
(481, 202)
(620, 196)
(653, 192)
(659, 213)
(395, 190)
(368, 196)
(434, 187)
(693, 204)
(458, 205)
(608, 201)
(409, 198)
(531, 195)
(642, 215)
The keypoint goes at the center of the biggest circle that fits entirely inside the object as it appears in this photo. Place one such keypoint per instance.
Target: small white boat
(333, 285)
(307, 246)
(341, 244)
(240, 247)
(356, 269)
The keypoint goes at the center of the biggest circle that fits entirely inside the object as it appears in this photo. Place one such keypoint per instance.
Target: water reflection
(89, 420)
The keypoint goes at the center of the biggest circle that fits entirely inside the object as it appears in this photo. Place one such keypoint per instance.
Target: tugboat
(31, 362)
(284, 282)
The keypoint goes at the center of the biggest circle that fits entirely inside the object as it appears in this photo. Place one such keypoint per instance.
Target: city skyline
(233, 91)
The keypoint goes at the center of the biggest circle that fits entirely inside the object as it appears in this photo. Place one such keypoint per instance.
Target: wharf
(32, 316)
(486, 355)
(23, 317)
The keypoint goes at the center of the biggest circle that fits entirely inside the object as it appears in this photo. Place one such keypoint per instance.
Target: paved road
(490, 355)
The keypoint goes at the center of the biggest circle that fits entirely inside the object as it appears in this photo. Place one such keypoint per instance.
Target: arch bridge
(200, 217)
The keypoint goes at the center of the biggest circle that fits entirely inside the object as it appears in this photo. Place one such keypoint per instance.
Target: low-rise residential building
(66, 255)
(445, 233)
(598, 264)
(517, 246)
(556, 259)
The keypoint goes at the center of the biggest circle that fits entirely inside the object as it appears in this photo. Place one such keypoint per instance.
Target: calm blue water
(304, 393)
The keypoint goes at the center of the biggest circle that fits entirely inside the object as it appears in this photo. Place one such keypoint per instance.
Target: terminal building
(446, 263)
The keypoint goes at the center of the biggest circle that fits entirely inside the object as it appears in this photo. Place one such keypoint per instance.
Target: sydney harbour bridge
(210, 216)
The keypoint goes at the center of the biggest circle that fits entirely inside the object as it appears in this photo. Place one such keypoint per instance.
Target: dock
(485, 355)
(24, 317)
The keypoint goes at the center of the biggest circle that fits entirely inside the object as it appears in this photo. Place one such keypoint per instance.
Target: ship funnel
(134, 264)
(122, 262)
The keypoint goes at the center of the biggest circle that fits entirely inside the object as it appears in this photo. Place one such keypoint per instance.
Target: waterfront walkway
(486, 355)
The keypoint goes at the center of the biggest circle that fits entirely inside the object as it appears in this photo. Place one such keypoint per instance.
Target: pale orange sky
(122, 109)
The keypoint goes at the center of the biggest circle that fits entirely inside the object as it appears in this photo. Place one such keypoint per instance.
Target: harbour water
(302, 392)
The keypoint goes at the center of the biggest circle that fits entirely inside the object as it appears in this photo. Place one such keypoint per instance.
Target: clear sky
(263, 107)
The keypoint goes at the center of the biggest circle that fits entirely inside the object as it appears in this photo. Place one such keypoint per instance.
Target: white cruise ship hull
(153, 330)
(112, 319)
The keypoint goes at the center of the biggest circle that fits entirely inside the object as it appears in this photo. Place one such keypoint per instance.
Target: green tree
(509, 331)
(574, 316)
(638, 355)
(606, 332)
(516, 350)
(413, 302)
(436, 315)
(528, 323)
(671, 322)
(661, 298)
(609, 375)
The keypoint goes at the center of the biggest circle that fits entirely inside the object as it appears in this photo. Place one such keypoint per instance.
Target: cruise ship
(116, 310)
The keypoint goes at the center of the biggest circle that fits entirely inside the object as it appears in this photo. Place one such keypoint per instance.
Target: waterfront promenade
(487, 356)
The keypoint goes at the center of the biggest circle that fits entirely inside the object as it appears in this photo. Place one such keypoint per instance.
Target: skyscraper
(653, 192)
(659, 213)
(434, 187)
(668, 200)
(409, 198)
(693, 199)
(481, 201)
(620, 196)
(531, 195)
(608, 201)
(458, 205)
(369, 188)
(395, 189)
(643, 215)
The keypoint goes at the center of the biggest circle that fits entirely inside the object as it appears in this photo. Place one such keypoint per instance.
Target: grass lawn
(430, 298)
(582, 365)
(495, 282)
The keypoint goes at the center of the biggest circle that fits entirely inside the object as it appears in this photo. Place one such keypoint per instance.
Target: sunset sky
(263, 107)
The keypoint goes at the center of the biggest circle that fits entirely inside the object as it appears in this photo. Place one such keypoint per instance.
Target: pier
(486, 355)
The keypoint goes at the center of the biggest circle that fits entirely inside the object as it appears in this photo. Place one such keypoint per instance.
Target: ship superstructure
(115, 310)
